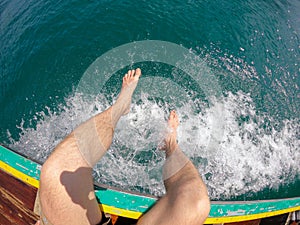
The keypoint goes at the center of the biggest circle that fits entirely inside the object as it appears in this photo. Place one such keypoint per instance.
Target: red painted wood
(16, 201)
(275, 220)
(250, 222)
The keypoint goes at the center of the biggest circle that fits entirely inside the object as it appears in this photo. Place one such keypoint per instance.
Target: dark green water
(252, 48)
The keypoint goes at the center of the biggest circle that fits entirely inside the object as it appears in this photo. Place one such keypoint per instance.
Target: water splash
(256, 152)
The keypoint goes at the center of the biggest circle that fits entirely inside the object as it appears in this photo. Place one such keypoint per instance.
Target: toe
(138, 72)
(132, 73)
(172, 114)
(173, 119)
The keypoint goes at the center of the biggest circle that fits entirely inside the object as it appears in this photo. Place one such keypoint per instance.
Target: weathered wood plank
(278, 220)
(3, 219)
(16, 201)
(250, 222)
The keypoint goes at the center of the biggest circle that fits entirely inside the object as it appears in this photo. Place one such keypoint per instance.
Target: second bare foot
(170, 142)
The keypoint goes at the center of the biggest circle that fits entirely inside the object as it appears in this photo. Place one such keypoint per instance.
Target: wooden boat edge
(133, 205)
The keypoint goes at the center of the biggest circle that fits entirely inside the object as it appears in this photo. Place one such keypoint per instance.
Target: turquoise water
(251, 48)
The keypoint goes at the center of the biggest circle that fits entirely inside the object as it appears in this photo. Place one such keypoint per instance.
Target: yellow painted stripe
(21, 176)
(121, 212)
(230, 219)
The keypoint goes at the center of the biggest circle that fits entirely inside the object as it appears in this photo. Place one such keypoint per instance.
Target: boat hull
(19, 179)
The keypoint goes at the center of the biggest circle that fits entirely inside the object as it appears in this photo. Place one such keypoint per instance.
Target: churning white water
(250, 156)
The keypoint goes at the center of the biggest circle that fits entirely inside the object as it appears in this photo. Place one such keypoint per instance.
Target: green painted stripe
(20, 163)
(223, 209)
(124, 200)
(140, 203)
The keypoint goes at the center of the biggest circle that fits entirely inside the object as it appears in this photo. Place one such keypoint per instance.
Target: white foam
(52, 126)
(251, 156)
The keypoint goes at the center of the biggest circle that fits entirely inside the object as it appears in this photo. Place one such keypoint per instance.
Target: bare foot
(132, 76)
(170, 142)
(173, 121)
(130, 80)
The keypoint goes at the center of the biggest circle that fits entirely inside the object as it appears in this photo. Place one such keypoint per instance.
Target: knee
(195, 204)
(197, 210)
(202, 209)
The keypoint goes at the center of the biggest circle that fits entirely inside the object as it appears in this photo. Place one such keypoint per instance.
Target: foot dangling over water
(122, 105)
(131, 77)
(170, 142)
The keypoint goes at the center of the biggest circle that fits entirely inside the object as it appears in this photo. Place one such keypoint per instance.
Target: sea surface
(230, 69)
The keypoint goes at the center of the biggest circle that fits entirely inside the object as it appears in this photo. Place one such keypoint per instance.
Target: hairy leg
(186, 200)
(66, 184)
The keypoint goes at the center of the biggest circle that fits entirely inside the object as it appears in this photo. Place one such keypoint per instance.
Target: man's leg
(66, 184)
(186, 200)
